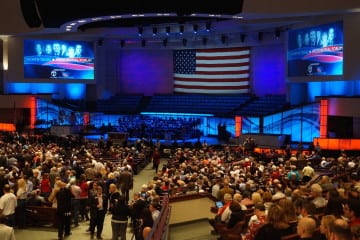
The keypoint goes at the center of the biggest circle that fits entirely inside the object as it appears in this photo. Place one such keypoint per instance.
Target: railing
(160, 229)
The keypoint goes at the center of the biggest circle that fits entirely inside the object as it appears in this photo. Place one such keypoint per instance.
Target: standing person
(84, 194)
(63, 196)
(113, 195)
(126, 182)
(137, 206)
(156, 159)
(98, 208)
(8, 203)
(119, 220)
(75, 202)
(21, 195)
(308, 172)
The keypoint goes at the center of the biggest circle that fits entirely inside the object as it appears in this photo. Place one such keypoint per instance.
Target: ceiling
(110, 19)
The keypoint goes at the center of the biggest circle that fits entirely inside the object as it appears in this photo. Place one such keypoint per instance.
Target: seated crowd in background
(260, 183)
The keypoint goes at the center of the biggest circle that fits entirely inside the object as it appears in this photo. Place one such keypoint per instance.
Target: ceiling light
(154, 31)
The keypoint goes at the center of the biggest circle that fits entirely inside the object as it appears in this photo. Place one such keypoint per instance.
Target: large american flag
(216, 71)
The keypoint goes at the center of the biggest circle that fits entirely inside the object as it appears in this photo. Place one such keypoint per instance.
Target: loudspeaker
(30, 13)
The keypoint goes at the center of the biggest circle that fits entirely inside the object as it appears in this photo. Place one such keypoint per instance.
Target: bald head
(306, 227)
(339, 229)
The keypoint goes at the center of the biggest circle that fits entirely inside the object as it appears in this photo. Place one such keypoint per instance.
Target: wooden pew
(41, 216)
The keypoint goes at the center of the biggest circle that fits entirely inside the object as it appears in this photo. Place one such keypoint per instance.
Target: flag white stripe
(222, 61)
(204, 76)
(218, 75)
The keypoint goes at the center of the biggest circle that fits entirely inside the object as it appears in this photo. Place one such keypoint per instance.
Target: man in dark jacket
(63, 197)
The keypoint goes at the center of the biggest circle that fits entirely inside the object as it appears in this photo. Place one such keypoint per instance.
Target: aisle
(79, 233)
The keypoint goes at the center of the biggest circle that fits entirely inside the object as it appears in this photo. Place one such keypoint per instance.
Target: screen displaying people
(58, 59)
(316, 50)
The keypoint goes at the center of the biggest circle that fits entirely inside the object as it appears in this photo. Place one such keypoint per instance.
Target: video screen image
(58, 59)
(316, 51)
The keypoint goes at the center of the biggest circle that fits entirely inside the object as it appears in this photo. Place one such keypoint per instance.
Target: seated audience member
(218, 217)
(326, 184)
(339, 230)
(267, 199)
(237, 198)
(35, 199)
(326, 220)
(279, 194)
(225, 189)
(316, 196)
(276, 226)
(154, 211)
(351, 210)
(289, 209)
(335, 203)
(236, 216)
(260, 212)
(306, 228)
(308, 209)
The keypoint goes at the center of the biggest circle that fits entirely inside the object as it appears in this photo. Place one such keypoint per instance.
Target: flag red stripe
(222, 72)
(219, 67)
(212, 80)
(211, 50)
(221, 57)
(212, 87)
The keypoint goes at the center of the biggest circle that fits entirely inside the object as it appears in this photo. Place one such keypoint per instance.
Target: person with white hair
(316, 195)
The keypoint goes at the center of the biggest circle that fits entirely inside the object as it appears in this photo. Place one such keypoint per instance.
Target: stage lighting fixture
(223, 39)
(181, 29)
(242, 37)
(140, 31)
(204, 41)
(165, 42)
(184, 42)
(122, 43)
(154, 31)
(167, 30)
(277, 33)
(208, 27)
(195, 27)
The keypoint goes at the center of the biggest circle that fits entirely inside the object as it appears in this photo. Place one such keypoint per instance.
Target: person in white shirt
(6, 232)
(154, 212)
(8, 203)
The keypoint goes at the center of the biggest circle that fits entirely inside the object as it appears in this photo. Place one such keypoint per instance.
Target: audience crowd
(269, 192)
